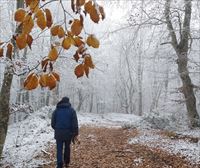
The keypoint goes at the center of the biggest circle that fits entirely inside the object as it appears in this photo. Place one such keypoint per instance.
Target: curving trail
(109, 148)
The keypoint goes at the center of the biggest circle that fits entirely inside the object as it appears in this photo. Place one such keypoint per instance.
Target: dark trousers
(60, 144)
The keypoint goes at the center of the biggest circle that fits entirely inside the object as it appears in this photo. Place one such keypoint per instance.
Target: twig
(47, 163)
(65, 17)
(66, 10)
(166, 43)
(48, 3)
(45, 152)
(29, 70)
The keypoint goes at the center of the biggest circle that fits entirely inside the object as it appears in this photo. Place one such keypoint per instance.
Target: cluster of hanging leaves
(36, 16)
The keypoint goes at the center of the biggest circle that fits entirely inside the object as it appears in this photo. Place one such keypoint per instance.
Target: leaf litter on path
(110, 148)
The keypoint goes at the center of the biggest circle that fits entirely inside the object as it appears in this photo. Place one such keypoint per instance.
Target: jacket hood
(63, 104)
(65, 99)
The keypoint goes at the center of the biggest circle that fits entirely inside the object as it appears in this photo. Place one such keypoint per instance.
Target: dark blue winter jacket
(64, 121)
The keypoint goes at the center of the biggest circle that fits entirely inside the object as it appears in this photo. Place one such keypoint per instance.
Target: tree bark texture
(4, 106)
(5, 93)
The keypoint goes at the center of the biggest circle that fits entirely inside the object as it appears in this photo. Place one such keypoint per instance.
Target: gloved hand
(75, 139)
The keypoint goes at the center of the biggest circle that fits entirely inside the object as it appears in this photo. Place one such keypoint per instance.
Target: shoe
(60, 165)
(66, 165)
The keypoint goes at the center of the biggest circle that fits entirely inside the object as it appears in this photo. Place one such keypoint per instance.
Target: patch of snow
(137, 161)
(165, 121)
(189, 132)
(109, 119)
(26, 139)
(186, 148)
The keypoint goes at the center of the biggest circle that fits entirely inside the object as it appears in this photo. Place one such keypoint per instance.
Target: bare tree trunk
(126, 88)
(140, 78)
(131, 90)
(91, 102)
(156, 97)
(140, 69)
(166, 80)
(181, 49)
(26, 97)
(80, 99)
(5, 94)
(187, 90)
(123, 93)
(55, 95)
(47, 98)
(4, 106)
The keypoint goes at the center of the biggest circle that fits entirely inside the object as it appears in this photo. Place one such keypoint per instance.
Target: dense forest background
(142, 81)
(136, 66)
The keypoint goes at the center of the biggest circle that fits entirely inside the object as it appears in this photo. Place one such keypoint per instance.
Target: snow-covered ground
(109, 119)
(185, 147)
(25, 139)
(29, 137)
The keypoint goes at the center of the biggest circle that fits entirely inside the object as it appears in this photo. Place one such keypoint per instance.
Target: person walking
(65, 124)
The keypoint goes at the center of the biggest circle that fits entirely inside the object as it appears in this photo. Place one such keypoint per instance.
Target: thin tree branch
(64, 13)
(29, 70)
(48, 3)
(61, 2)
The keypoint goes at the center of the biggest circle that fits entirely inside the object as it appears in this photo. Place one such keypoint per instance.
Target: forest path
(109, 148)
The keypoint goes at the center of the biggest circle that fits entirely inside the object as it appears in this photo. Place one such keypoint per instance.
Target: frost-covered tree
(177, 16)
